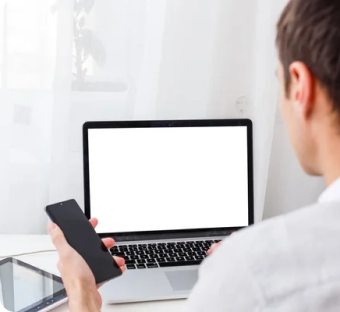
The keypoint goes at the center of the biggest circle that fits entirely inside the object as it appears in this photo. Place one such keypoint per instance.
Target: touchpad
(182, 280)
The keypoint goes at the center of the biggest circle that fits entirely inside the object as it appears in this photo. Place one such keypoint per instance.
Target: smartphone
(80, 235)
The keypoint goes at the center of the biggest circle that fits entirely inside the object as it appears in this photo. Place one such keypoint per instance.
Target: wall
(206, 51)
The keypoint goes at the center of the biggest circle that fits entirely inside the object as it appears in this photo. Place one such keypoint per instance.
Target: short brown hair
(309, 31)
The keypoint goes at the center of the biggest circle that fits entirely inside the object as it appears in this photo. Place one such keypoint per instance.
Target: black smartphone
(80, 234)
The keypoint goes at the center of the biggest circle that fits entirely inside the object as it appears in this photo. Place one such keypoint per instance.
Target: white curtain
(64, 62)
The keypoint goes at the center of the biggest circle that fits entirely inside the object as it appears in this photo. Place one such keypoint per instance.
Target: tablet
(25, 288)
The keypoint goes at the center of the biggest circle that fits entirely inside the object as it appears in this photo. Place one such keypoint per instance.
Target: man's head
(308, 42)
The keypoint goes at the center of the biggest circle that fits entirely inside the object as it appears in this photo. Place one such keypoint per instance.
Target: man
(291, 263)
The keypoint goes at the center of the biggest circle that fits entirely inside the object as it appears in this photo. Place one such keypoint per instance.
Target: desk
(18, 244)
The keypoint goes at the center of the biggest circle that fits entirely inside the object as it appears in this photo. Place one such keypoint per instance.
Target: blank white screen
(150, 179)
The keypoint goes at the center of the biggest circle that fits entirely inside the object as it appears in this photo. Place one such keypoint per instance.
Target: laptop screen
(172, 178)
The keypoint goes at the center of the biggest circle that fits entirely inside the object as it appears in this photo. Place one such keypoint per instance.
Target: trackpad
(182, 280)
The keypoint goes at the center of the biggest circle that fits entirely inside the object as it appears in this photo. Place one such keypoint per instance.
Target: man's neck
(330, 158)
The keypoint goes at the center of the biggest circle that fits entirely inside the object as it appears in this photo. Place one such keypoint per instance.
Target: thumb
(58, 237)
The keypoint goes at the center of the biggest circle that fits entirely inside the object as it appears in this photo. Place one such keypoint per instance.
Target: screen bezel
(170, 234)
(45, 302)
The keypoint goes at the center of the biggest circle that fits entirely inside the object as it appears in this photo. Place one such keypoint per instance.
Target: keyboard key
(200, 253)
(130, 261)
(170, 259)
(173, 263)
(139, 261)
(144, 256)
(141, 266)
(152, 265)
(161, 260)
(151, 260)
(134, 257)
(130, 267)
(118, 254)
(199, 257)
(180, 259)
(189, 258)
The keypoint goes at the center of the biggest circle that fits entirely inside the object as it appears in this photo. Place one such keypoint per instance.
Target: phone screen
(80, 234)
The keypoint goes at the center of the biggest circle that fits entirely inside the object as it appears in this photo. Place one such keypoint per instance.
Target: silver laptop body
(165, 191)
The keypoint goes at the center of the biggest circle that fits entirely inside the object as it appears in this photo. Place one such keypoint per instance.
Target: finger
(108, 242)
(94, 222)
(120, 261)
(60, 266)
(212, 248)
(58, 238)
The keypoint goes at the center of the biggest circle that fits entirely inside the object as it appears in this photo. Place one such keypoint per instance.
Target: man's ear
(301, 90)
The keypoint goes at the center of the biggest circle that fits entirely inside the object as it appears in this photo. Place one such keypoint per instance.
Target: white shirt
(287, 264)
(332, 193)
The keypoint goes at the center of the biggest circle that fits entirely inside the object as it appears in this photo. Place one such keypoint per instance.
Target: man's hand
(215, 246)
(77, 277)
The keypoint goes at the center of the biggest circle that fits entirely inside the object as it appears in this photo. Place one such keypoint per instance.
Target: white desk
(10, 245)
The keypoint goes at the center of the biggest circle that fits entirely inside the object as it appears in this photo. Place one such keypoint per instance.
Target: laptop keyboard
(155, 255)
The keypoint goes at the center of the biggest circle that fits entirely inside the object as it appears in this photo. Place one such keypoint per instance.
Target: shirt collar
(332, 193)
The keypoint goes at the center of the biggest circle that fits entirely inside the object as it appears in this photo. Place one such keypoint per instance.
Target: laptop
(166, 191)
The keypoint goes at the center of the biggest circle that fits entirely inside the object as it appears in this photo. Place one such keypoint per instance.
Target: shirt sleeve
(225, 283)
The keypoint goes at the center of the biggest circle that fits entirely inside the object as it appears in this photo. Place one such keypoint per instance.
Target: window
(27, 37)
